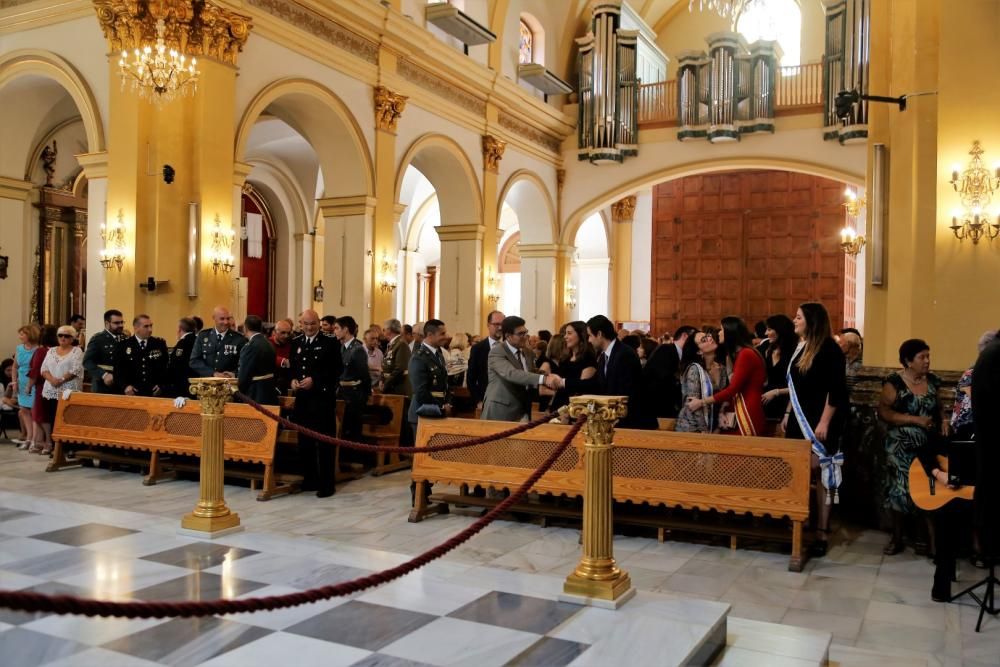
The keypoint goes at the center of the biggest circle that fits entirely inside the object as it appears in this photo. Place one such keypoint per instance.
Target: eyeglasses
(64, 335)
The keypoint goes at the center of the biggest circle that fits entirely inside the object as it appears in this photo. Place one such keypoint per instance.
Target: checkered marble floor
(877, 608)
(446, 614)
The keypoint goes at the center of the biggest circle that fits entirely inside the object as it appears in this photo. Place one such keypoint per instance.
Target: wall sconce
(571, 296)
(113, 235)
(851, 242)
(492, 288)
(222, 248)
(975, 187)
(318, 292)
(385, 277)
(4, 263)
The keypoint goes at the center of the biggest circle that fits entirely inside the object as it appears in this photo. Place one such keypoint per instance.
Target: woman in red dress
(746, 379)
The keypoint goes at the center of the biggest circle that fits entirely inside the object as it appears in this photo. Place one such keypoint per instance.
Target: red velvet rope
(68, 604)
(391, 449)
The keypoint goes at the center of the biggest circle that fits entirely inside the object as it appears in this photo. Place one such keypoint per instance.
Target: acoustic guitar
(928, 497)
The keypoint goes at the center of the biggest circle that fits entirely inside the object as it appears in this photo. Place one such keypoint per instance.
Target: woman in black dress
(579, 361)
(780, 348)
(818, 373)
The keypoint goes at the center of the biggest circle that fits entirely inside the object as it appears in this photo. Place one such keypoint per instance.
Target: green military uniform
(142, 365)
(354, 388)
(99, 359)
(257, 367)
(429, 377)
(213, 353)
(396, 368)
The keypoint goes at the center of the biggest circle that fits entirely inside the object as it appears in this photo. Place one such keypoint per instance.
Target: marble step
(759, 644)
(850, 656)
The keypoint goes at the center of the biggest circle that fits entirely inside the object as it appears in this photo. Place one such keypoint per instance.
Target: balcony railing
(799, 90)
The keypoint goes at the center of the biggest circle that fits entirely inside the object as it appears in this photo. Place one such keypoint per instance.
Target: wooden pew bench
(152, 431)
(375, 430)
(761, 477)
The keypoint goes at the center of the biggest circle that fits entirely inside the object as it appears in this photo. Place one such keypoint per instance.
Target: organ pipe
(848, 26)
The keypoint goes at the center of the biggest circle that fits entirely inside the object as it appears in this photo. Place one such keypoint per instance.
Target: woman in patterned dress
(909, 405)
(699, 365)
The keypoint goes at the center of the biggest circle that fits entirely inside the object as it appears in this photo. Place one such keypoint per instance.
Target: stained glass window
(527, 42)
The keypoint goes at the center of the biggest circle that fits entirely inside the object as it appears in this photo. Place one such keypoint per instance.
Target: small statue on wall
(49, 162)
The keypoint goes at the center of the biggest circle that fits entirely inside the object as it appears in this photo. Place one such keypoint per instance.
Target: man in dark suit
(216, 351)
(315, 365)
(660, 377)
(513, 379)
(179, 368)
(257, 364)
(99, 357)
(619, 373)
(429, 374)
(986, 418)
(141, 361)
(354, 384)
(477, 377)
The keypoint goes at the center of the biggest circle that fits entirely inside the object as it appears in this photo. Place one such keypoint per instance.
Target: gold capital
(493, 149)
(623, 210)
(389, 108)
(602, 413)
(193, 28)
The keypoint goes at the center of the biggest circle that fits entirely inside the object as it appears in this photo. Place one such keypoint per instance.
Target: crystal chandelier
(730, 9)
(221, 254)
(113, 235)
(975, 187)
(157, 74)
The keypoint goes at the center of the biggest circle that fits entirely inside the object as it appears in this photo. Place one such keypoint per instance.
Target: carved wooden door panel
(749, 243)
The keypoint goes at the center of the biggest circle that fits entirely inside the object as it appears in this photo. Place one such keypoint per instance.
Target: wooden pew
(374, 431)
(155, 426)
(763, 477)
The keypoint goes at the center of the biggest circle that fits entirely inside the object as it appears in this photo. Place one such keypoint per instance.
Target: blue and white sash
(830, 466)
(706, 391)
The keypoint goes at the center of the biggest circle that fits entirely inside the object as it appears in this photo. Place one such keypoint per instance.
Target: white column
(18, 244)
(301, 282)
(410, 286)
(642, 244)
(347, 262)
(460, 276)
(538, 285)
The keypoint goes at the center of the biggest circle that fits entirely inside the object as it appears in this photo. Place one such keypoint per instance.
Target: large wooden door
(747, 243)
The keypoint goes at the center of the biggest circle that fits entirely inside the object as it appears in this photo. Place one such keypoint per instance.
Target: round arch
(441, 160)
(308, 112)
(298, 222)
(27, 62)
(417, 221)
(575, 219)
(528, 194)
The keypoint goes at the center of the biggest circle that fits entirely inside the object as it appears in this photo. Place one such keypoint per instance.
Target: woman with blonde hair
(818, 406)
(28, 335)
(458, 358)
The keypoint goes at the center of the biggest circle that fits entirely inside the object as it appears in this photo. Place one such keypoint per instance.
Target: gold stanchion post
(597, 580)
(211, 517)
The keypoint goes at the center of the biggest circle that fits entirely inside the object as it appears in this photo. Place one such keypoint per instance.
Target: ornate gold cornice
(195, 28)
(531, 133)
(623, 210)
(320, 26)
(493, 149)
(389, 108)
(440, 87)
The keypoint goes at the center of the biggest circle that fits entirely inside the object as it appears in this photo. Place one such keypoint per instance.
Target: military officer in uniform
(429, 375)
(395, 365)
(141, 361)
(216, 351)
(315, 367)
(355, 385)
(99, 358)
(257, 364)
(179, 368)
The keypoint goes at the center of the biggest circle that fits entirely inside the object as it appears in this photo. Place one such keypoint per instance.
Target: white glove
(180, 402)
(66, 393)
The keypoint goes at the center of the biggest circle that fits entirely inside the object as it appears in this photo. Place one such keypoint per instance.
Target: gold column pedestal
(211, 515)
(597, 580)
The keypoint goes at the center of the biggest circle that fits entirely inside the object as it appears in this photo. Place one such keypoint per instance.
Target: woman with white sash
(701, 376)
(818, 406)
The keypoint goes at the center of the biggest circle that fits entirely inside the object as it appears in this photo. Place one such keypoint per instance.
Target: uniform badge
(179, 353)
(299, 351)
(128, 351)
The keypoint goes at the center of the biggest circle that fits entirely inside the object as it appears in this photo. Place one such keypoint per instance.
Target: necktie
(604, 363)
(440, 357)
(142, 345)
(520, 359)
